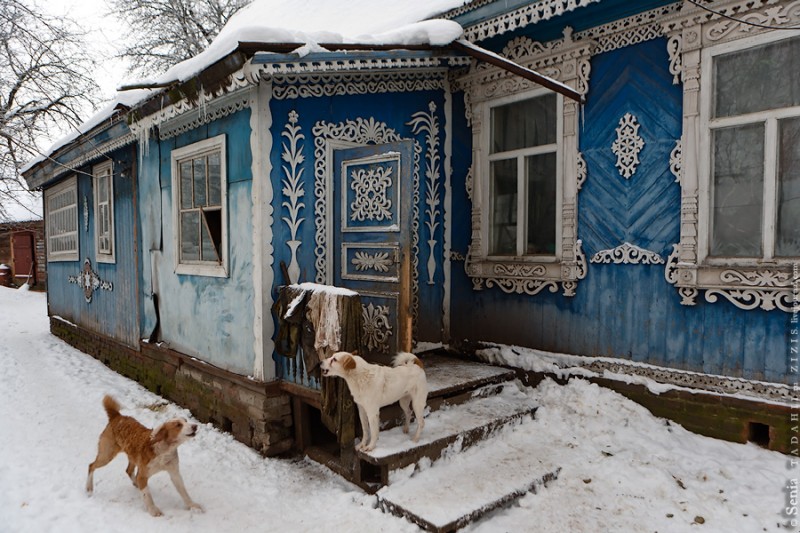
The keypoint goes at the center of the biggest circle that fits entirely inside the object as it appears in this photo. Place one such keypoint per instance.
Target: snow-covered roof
(306, 22)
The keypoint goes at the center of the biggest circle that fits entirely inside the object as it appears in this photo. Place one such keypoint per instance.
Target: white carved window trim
(204, 147)
(708, 125)
(61, 208)
(566, 60)
(104, 208)
(695, 37)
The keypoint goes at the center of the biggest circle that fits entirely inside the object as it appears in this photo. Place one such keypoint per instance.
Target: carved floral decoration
(379, 262)
(377, 329)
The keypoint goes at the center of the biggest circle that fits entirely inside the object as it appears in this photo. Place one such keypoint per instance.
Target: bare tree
(45, 85)
(165, 32)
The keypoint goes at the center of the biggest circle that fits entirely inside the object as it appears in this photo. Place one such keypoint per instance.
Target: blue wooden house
(638, 203)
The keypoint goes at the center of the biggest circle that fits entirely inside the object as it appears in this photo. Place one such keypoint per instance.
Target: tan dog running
(375, 386)
(148, 451)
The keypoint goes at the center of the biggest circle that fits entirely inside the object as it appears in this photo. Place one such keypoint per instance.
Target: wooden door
(23, 257)
(372, 235)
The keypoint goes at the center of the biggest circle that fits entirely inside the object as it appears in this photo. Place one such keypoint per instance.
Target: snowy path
(623, 469)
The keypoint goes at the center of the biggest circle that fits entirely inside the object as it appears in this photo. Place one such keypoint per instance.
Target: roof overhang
(110, 135)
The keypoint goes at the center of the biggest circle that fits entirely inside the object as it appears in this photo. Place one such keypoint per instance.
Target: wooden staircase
(469, 403)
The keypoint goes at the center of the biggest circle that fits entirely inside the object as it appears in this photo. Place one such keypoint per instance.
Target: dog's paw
(156, 512)
(405, 428)
(196, 507)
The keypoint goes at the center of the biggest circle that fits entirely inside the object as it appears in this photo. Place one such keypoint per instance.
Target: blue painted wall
(626, 311)
(396, 110)
(112, 313)
(207, 317)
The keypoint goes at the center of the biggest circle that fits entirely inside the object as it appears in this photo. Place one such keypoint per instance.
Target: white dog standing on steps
(375, 386)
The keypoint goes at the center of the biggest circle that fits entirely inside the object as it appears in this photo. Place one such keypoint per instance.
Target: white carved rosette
(627, 145)
(371, 190)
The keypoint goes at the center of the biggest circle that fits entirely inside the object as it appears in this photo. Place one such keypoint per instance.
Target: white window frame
(488, 86)
(522, 185)
(100, 172)
(695, 38)
(708, 124)
(68, 185)
(204, 147)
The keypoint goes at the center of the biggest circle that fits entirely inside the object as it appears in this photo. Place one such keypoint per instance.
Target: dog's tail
(405, 358)
(112, 407)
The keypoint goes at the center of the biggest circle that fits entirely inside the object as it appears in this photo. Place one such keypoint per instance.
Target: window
(61, 210)
(738, 157)
(754, 123)
(104, 212)
(526, 171)
(199, 195)
(523, 178)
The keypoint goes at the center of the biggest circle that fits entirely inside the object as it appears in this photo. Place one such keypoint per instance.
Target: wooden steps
(460, 469)
(464, 423)
(464, 488)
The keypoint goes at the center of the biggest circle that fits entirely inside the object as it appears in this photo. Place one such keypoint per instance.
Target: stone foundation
(257, 414)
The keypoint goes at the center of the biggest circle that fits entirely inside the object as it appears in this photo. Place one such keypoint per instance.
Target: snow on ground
(623, 470)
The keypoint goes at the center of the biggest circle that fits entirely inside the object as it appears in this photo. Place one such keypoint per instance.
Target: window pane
(214, 180)
(199, 181)
(757, 79)
(212, 235)
(102, 189)
(190, 236)
(738, 191)
(524, 124)
(787, 238)
(186, 185)
(504, 207)
(541, 174)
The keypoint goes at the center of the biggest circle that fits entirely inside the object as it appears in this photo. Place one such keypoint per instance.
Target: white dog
(375, 386)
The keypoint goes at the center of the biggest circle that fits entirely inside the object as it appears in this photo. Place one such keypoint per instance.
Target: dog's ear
(161, 435)
(348, 363)
(354, 352)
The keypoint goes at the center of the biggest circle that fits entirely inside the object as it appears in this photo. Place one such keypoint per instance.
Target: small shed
(22, 249)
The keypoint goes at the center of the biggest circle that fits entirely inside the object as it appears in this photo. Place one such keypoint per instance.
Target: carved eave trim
(99, 151)
(209, 112)
(522, 17)
(340, 64)
(310, 85)
(187, 114)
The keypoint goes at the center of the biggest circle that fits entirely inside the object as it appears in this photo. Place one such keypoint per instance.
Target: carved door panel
(372, 235)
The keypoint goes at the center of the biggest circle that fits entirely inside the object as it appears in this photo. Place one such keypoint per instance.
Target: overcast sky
(104, 32)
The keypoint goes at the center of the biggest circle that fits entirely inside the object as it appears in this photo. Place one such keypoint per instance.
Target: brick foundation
(722, 417)
(257, 414)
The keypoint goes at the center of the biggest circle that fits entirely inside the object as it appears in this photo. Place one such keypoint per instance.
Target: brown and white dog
(375, 386)
(148, 451)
